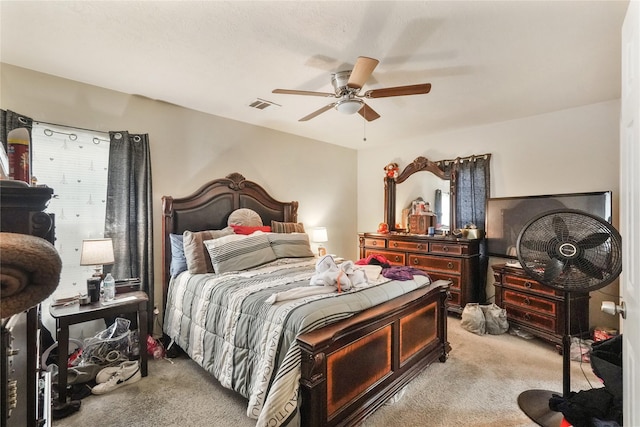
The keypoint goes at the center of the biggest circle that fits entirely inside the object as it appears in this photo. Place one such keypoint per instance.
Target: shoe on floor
(127, 374)
(106, 373)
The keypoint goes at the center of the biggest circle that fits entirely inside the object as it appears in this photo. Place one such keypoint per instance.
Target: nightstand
(131, 302)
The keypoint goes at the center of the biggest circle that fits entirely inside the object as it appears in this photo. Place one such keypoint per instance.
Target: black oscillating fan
(571, 251)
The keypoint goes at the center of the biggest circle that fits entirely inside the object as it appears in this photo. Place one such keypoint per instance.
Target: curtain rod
(470, 158)
(71, 127)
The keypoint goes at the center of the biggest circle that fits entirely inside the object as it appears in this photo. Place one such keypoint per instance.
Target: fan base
(535, 404)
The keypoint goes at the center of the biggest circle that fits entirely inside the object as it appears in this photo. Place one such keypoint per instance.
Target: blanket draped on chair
(29, 272)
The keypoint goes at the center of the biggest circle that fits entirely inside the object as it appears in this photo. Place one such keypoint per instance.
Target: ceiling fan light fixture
(349, 106)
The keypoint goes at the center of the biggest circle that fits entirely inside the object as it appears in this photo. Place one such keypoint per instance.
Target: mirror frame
(419, 164)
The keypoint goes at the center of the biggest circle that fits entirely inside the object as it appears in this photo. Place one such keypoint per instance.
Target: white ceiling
(487, 61)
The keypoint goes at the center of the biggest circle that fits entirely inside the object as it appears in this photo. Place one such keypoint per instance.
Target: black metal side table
(131, 302)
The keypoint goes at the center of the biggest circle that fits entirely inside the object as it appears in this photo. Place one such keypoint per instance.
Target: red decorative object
(391, 170)
(383, 227)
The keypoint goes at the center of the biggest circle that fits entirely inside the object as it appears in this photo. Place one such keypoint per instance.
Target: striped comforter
(224, 324)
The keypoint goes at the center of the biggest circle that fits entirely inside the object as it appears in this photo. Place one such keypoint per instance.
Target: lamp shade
(97, 252)
(320, 235)
(349, 106)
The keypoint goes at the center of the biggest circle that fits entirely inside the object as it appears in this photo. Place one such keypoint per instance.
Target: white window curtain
(74, 163)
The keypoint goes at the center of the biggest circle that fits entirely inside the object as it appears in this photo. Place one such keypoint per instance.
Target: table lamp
(320, 236)
(97, 252)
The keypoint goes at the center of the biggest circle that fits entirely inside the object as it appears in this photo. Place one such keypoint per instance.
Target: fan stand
(535, 403)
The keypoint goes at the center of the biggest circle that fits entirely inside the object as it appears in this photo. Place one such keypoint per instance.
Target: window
(74, 163)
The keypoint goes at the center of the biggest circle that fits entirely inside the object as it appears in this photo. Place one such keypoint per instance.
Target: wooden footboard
(351, 368)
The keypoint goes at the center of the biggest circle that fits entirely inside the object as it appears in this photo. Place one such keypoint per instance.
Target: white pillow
(239, 252)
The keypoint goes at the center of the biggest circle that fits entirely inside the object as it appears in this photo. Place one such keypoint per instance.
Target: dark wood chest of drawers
(537, 308)
(451, 259)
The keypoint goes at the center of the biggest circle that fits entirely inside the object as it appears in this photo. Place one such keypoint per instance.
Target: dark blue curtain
(129, 215)
(472, 188)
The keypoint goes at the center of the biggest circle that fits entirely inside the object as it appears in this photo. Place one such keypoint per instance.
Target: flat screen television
(505, 216)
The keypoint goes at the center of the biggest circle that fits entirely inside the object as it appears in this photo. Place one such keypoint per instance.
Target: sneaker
(128, 374)
(106, 373)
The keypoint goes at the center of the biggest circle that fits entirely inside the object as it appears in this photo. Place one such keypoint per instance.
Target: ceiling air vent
(263, 104)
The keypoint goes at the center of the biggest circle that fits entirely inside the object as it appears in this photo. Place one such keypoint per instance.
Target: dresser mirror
(419, 188)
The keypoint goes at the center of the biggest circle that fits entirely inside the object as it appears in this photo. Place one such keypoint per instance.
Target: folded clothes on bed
(29, 272)
(301, 292)
(329, 278)
(344, 277)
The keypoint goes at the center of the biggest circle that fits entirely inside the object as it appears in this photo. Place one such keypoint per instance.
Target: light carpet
(477, 386)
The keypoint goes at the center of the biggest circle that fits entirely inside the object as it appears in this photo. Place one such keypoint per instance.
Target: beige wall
(573, 150)
(567, 151)
(189, 148)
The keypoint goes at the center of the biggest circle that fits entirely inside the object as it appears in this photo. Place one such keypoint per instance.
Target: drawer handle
(445, 249)
(450, 264)
(416, 261)
(374, 243)
(397, 258)
(527, 317)
(395, 244)
(527, 301)
(420, 246)
(528, 285)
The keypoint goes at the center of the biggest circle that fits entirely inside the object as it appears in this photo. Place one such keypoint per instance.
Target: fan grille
(570, 250)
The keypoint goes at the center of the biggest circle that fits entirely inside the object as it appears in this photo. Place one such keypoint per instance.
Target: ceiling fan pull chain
(364, 129)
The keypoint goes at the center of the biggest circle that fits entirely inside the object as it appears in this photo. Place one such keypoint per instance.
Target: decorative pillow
(198, 261)
(178, 260)
(287, 227)
(245, 229)
(244, 216)
(239, 252)
(290, 245)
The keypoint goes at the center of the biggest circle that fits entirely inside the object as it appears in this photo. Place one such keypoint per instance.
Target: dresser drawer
(433, 263)
(531, 302)
(455, 280)
(408, 246)
(528, 284)
(446, 248)
(531, 318)
(395, 258)
(378, 243)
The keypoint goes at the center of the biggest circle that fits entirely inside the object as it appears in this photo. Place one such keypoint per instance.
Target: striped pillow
(194, 251)
(239, 252)
(287, 227)
(290, 245)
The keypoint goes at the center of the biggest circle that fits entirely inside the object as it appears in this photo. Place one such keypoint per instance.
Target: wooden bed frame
(351, 367)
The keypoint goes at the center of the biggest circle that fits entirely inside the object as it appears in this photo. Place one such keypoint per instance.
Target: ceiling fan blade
(398, 91)
(552, 269)
(560, 228)
(318, 112)
(368, 113)
(303, 92)
(361, 72)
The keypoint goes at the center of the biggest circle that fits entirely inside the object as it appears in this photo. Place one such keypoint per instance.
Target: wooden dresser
(537, 308)
(442, 257)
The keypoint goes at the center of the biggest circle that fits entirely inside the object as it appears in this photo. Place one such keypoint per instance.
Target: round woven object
(246, 217)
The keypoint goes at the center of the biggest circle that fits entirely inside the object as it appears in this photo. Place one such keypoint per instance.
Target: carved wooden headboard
(209, 207)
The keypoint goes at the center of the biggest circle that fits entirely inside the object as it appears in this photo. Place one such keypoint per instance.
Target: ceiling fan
(347, 85)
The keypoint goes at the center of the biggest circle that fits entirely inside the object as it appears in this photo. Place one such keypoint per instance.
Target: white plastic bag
(473, 319)
(495, 319)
